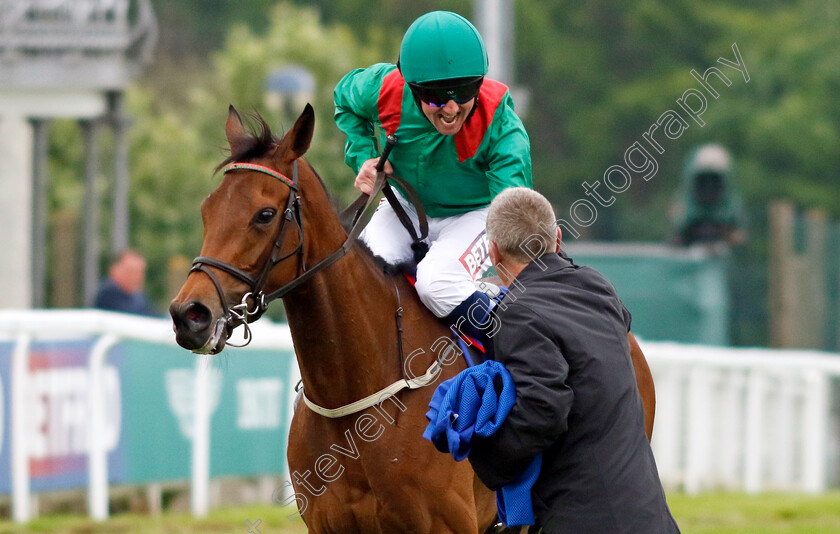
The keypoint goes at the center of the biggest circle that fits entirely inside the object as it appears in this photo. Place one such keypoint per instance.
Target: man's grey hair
(521, 222)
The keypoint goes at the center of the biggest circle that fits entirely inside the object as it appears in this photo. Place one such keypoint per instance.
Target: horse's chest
(332, 515)
(352, 483)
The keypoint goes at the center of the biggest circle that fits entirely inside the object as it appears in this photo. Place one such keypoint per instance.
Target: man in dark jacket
(123, 291)
(563, 338)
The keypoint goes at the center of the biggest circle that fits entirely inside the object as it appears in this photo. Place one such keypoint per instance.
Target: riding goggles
(437, 94)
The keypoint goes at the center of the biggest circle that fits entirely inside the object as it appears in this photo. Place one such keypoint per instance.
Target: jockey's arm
(509, 162)
(356, 113)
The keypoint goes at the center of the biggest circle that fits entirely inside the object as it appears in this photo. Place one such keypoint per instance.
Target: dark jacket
(110, 296)
(563, 337)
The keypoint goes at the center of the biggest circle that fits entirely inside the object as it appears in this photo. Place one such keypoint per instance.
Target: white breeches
(458, 252)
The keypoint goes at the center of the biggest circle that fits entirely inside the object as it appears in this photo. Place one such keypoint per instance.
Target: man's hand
(367, 175)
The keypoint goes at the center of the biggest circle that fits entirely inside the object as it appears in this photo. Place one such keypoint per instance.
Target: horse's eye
(265, 215)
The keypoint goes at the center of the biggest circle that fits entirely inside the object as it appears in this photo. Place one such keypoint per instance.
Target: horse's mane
(390, 269)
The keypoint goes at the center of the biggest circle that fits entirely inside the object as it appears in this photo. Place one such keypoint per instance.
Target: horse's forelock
(256, 145)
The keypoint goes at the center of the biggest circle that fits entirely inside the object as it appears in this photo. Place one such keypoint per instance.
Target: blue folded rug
(475, 402)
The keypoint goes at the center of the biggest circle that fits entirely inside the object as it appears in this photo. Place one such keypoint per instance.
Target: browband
(259, 168)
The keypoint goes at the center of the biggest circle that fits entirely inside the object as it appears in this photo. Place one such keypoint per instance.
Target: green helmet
(439, 46)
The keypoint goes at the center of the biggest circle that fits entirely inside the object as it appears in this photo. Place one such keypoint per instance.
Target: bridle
(243, 313)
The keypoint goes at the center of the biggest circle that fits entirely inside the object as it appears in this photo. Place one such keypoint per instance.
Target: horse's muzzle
(195, 329)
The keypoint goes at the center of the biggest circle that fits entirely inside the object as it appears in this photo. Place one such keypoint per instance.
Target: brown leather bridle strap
(417, 239)
(351, 235)
(200, 263)
(335, 256)
(202, 266)
(291, 212)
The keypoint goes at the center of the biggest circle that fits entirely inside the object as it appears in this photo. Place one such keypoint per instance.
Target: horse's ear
(234, 130)
(300, 136)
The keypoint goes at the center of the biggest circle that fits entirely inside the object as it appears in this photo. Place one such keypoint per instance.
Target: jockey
(459, 145)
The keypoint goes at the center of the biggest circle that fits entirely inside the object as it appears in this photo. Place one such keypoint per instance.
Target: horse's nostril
(194, 317)
(197, 317)
(193, 314)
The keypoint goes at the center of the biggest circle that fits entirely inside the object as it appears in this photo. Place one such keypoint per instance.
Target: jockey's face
(448, 119)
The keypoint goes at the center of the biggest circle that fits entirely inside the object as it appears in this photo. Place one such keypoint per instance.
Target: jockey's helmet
(442, 45)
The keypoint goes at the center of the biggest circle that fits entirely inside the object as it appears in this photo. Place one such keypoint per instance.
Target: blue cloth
(475, 402)
(513, 501)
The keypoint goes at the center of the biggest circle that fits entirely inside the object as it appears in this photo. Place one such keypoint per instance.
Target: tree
(599, 73)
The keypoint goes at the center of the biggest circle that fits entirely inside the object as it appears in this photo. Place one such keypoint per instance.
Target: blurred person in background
(460, 144)
(707, 209)
(123, 290)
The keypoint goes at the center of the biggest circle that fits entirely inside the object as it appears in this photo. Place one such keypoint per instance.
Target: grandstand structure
(69, 59)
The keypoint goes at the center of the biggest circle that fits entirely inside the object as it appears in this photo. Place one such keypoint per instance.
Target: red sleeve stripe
(390, 101)
(469, 137)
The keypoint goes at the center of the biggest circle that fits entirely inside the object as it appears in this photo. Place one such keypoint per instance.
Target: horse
(362, 340)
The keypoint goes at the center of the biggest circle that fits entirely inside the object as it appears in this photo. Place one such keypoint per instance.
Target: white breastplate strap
(418, 382)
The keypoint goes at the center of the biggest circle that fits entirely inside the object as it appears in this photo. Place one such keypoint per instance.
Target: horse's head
(253, 234)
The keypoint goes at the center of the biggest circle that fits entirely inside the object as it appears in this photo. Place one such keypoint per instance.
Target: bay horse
(355, 330)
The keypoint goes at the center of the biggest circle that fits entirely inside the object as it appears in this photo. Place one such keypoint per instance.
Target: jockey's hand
(367, 175)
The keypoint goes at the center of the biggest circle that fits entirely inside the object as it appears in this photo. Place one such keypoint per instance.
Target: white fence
(22, 327)
(744, 419)
(738, 419)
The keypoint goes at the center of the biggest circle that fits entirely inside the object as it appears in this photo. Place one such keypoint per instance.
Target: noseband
(242, 313)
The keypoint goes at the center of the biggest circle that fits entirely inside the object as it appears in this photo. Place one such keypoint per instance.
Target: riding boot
(471, 320)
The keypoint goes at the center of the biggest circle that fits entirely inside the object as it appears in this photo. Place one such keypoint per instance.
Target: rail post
(97, 446)
(21, 496)
(199, 491)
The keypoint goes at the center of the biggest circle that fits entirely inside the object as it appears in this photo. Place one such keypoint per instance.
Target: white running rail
(739, 419)
(24, 326)
(744, 419)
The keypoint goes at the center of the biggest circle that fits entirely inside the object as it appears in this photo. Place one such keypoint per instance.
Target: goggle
(437, 95)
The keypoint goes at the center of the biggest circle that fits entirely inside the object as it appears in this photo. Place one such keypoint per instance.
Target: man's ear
(559, 238)
(495, 256)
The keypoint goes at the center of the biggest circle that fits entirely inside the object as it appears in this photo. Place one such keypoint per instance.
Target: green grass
(221, 521)
(718, 513)
(722, 513)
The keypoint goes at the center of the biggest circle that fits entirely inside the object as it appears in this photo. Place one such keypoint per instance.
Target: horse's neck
(342, 320)
(343, 328)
